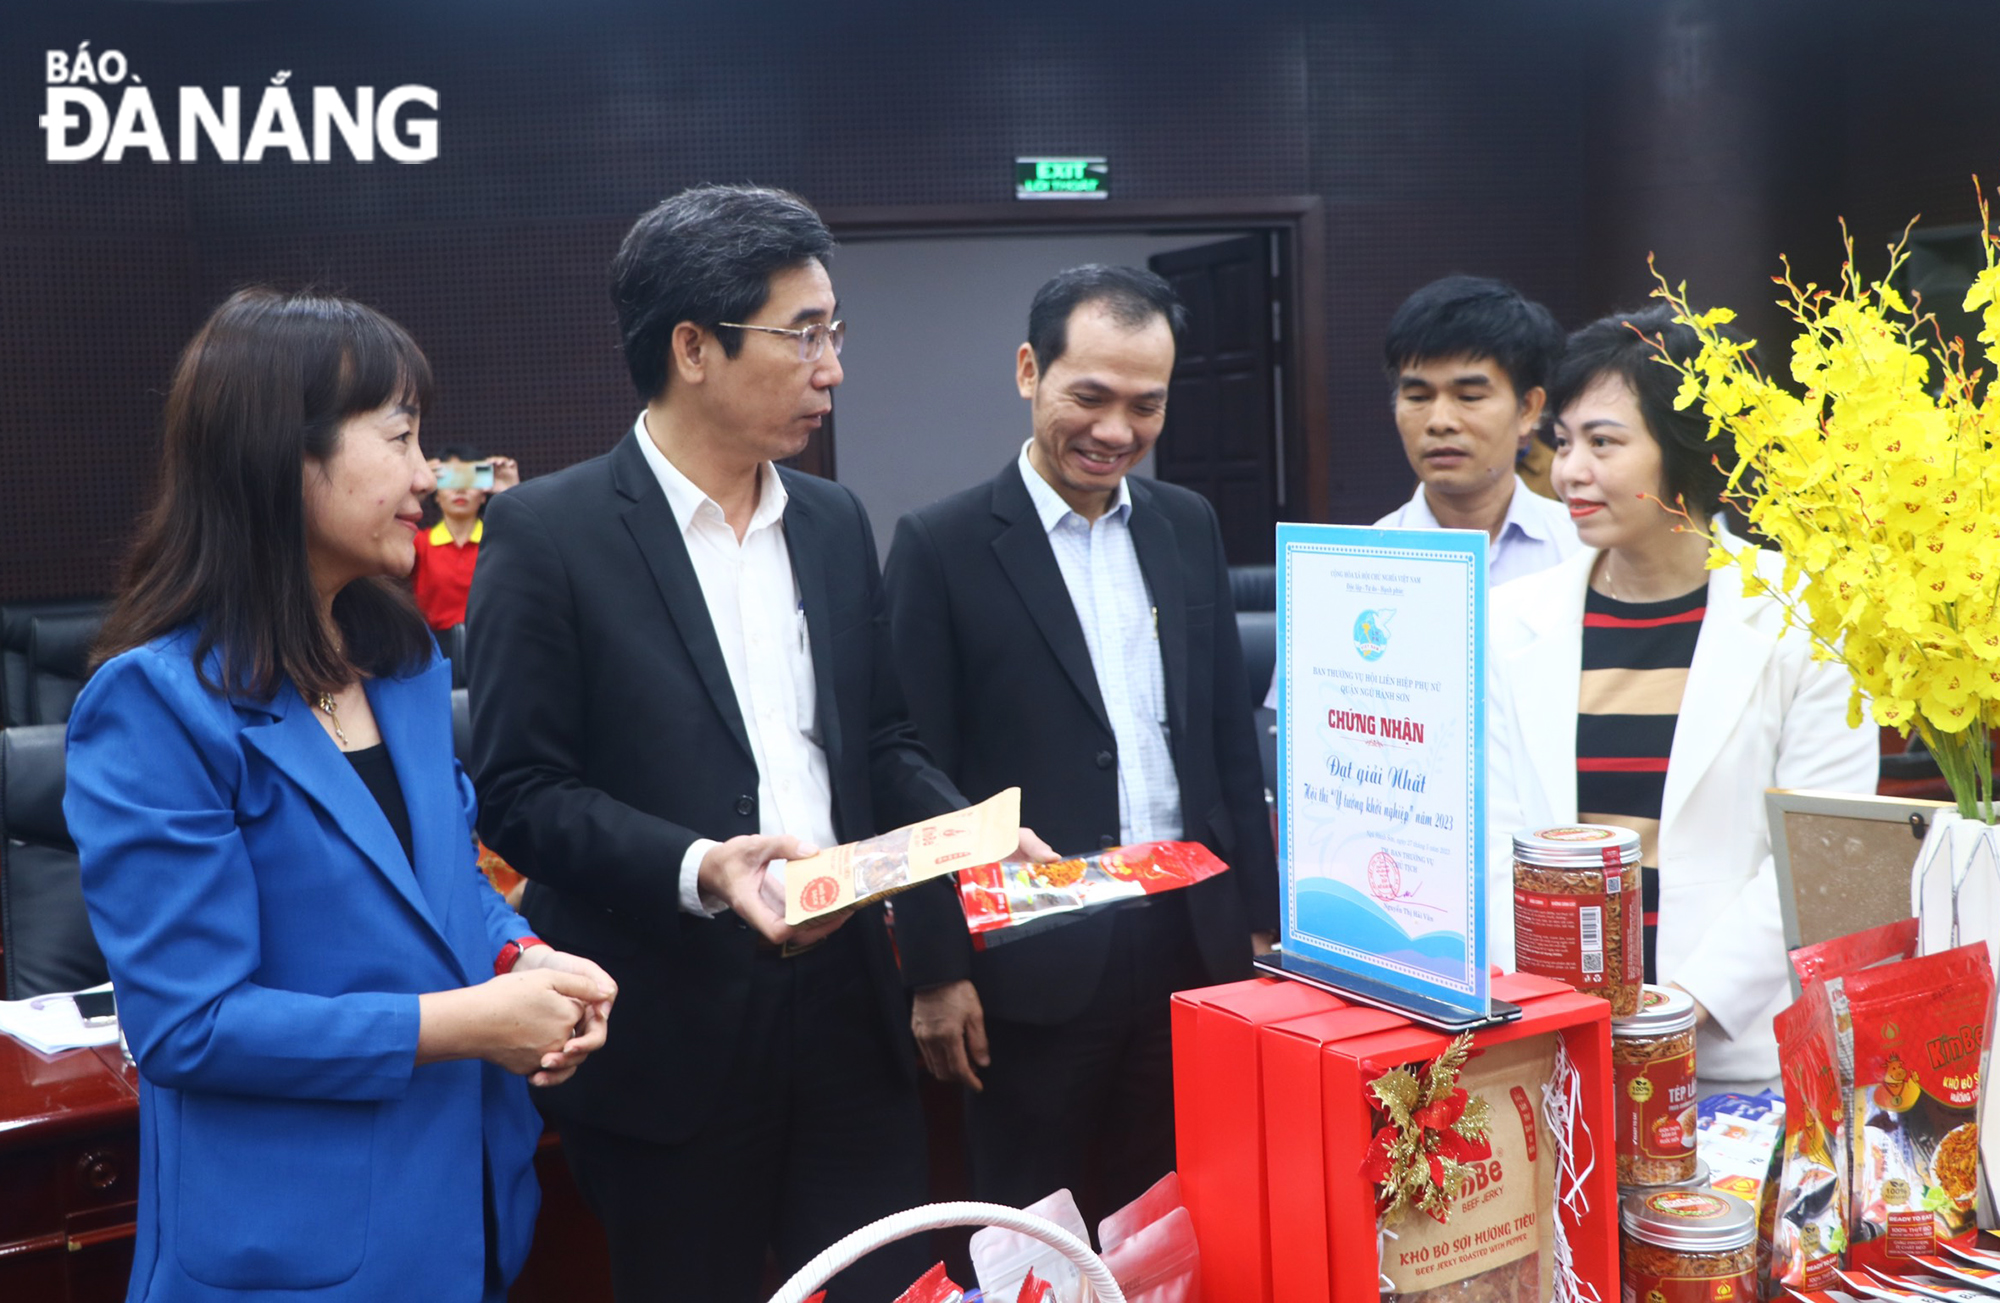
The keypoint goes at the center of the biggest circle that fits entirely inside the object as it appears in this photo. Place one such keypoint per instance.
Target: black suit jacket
(1000, 683)
(606, 738)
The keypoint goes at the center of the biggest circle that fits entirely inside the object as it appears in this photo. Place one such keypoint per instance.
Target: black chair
(16, 622)
(452, 643)
(1258, 631)
(49, 945)
(1255, 588)
(59, 662)
(461, 724)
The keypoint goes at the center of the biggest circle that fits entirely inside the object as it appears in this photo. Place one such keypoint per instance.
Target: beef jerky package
(1498, 1245)
(1828, 966)
(1833, 962)
(1012, 900)
(1919, 1032)
(1810, 1230)
(1856, 951)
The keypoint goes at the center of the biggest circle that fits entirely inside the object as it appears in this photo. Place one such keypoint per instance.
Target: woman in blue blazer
(330, 1009)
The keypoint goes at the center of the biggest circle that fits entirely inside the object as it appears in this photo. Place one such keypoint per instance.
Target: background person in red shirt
(447, 552)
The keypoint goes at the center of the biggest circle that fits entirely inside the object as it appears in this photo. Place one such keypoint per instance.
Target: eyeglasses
(812, 339)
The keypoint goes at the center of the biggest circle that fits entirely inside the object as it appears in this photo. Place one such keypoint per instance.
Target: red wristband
(510, 954)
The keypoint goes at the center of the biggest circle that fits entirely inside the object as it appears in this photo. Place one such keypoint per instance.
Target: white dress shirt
(1100, 568)
(1536, 534)
(753, 601)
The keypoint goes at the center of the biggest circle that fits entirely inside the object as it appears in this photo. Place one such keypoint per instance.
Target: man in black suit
(680, 671)
(1068, 627)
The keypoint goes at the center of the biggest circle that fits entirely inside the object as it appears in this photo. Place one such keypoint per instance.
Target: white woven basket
(935, 1216)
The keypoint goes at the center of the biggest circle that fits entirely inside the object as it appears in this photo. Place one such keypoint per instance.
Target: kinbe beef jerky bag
(1497, 1247)
(1919, 1030)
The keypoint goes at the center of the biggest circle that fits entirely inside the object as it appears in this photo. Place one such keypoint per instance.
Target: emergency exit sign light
(1062, 178)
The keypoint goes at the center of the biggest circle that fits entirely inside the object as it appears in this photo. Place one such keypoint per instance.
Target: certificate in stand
(1381, 765)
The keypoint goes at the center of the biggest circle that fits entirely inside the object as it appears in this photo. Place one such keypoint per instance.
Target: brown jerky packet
(1504, 1217)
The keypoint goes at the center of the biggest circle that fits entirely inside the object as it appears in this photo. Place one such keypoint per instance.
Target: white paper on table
(50, 1023)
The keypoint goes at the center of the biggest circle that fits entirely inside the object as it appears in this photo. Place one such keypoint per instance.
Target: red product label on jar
(1656, 1107)
(1643, 1288)
(1562, 936)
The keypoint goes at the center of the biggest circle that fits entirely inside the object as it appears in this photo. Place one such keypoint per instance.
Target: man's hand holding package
(948, 1022)
(736, 872)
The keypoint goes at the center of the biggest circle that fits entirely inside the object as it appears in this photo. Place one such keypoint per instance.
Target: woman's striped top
(1635, 666)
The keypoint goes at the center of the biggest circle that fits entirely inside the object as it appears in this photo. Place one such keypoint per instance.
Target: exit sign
(1062, 178)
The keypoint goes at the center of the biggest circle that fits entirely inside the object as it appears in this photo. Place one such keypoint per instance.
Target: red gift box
(1294, 1110)
(1344, 1238)
(1295, 1170)
(1219, 1125)
(1273, 1119)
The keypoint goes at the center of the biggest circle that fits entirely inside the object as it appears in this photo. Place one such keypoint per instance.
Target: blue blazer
(268, 940)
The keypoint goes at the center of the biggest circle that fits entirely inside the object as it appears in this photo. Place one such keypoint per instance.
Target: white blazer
(1758, 712)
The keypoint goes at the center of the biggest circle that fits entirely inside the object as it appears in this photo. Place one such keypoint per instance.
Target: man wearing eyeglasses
(680, 675)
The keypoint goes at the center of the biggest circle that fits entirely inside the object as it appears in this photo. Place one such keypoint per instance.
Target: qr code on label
(1593, 963)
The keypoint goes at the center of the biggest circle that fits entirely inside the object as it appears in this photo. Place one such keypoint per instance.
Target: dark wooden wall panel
(1551, 142)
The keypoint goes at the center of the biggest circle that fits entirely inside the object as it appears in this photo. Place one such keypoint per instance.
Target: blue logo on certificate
(1381, 757)
(1371, 634)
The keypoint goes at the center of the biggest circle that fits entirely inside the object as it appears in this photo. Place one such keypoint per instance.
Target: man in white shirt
(1468, 359)
(1067, 626)
(680, 673)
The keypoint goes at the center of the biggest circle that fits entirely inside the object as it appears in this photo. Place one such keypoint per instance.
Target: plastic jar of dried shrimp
(1577, 912)
(1701, 1180)
(1687, 1246)
(1652, 1056)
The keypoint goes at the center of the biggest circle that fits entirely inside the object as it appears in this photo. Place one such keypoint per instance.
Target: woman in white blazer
(1756, 711)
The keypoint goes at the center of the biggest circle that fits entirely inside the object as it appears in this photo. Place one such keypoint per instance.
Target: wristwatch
(510, 954)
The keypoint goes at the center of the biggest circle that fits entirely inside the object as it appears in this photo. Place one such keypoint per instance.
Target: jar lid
(1663, 1011)
(1577, 845)
(1699, 1181)
(1701, 1221)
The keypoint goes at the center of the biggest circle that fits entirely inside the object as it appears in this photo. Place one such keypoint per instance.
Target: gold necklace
(326, 704)
(1604, 576)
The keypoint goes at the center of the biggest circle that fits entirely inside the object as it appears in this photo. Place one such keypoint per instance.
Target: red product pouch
(1809, 1230)
(1014, 899)
(1856, 951)
(1034, 1290)
(932, 1287)
(1919, 1032)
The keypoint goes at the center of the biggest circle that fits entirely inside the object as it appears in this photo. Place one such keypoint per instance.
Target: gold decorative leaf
(1442, 1076)
(1400, 1095)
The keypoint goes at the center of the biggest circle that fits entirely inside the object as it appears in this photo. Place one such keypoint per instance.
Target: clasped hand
(540, 1021)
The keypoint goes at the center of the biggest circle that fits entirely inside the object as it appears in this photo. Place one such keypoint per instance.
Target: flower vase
(1955, 886)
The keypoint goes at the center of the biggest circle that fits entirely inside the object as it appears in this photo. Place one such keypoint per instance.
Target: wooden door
(1223, 435)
